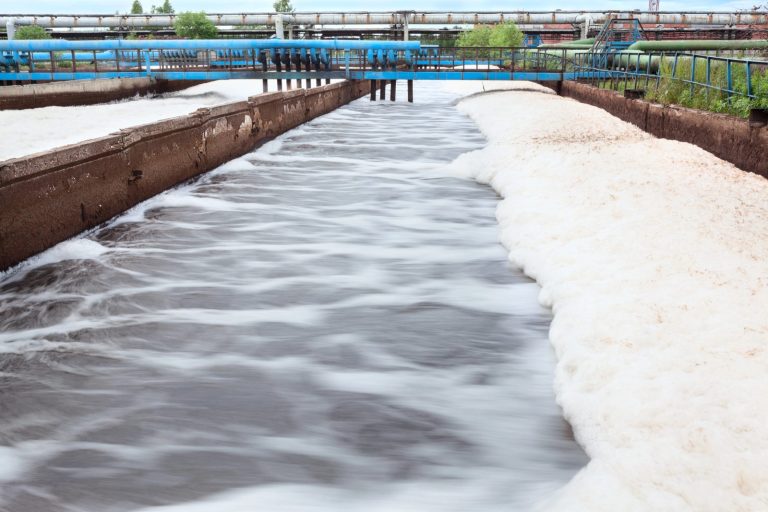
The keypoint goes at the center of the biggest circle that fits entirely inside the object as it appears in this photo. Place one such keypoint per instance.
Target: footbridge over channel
(599, 60)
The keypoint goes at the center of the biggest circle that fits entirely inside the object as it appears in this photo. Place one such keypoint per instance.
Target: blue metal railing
(272, 59)
(699, 73)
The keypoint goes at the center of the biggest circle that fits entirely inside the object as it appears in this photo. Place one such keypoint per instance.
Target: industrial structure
(548, 26)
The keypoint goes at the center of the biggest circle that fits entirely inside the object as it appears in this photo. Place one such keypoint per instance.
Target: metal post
(693, 74)
(10, 28)
(410, 91)
(264, 67)
(709, 81)
(383, 89)
(308, 68)
(279, 26)
(373, 90)
(392, 90)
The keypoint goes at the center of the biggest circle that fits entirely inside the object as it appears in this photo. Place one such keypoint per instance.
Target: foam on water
(325, 324)
(24, 132)
(652, 255)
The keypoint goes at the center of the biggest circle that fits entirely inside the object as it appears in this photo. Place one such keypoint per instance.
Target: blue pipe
(57, 45)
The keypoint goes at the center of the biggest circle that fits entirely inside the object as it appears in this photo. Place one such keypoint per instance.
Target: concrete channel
(50, 196)
(84, 92)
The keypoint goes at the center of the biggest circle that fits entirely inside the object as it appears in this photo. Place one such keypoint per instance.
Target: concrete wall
(84, 92)
(733, 139)
(51, 196)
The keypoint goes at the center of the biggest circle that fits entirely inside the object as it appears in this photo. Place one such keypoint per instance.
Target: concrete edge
(84, 92)
(51, 196)
(730, 138)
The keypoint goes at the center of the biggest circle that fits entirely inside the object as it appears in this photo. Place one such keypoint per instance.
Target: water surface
(326, 324)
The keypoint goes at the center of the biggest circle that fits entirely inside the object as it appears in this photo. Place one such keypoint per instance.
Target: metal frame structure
(376, 60)
(273, 59)
(390, 18)
(716, 73)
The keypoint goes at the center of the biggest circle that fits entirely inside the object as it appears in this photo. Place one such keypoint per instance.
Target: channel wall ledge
(735, 140)
(51, 196)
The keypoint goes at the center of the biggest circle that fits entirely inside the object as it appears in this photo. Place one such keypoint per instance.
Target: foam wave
(651, 253)
(73, 249)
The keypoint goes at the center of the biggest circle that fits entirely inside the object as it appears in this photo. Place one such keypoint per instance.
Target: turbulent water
(326, 324)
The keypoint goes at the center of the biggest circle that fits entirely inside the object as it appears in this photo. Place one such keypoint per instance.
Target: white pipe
(279, 32)
(10, 28)
(392, 18)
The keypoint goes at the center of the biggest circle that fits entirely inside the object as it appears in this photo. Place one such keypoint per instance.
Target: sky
(112, 6)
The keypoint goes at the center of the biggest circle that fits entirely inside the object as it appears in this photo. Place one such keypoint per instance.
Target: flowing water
(326, 324)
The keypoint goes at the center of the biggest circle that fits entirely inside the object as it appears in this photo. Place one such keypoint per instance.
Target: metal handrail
(692, 69)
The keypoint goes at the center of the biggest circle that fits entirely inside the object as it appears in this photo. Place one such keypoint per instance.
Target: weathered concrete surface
(48, 197)
(730, 138)
(84, 92)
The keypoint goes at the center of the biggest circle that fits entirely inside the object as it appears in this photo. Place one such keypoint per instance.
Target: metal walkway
(272, 59)
(383, 61)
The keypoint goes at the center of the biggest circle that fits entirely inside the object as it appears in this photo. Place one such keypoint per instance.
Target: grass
(675, 88)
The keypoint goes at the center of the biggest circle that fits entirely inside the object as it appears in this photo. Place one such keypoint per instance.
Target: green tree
(166, 8)
(506, 35)
(194, 25)
(32, 32)
(502, 35)
(480, 35)
(136, 8)
(283, 6)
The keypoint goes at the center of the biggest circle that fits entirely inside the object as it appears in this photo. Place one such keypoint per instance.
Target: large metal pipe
(48, 45)
(578, 44)
(10, 28)
(395, 18)
(698, 44)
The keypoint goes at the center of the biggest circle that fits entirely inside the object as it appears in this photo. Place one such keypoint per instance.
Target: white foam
(652, 254)
(11, 464)
(23, 132)
(72, 249)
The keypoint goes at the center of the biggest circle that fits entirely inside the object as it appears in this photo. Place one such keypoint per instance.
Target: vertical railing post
(728, 78)
(749, 78)
(346, 64)
(693, 74)
(708, 70)
(659, 71)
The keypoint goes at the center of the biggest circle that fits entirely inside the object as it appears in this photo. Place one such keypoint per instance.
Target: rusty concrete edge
(59, 210)
(85, 92)
(28, 166)
(730, 138)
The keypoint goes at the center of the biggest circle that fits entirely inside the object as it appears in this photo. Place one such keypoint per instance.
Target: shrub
(506, 35)
(32, 32)
(503, 35)
(194, 25)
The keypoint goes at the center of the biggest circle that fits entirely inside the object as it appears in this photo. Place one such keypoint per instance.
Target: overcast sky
(112, 6)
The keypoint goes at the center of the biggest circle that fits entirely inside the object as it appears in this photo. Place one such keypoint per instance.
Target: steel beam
(395, 18)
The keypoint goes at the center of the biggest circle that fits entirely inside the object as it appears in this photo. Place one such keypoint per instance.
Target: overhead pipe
(698, 44)
(578, 44)
(394, 18)
(48, 45)
(10, 28)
